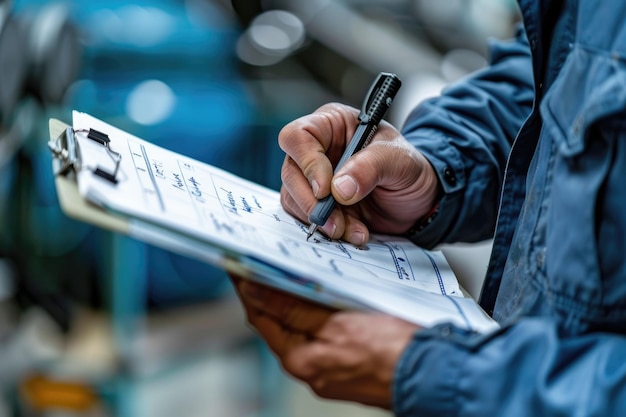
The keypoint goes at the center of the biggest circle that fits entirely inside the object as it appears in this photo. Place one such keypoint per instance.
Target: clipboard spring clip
(66, 153)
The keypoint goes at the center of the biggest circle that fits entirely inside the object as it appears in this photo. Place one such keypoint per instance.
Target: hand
(386, 187)
(340, 355)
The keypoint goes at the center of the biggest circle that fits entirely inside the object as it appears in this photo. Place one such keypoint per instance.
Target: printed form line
(437, 272)
(148, 168)
(152, 179)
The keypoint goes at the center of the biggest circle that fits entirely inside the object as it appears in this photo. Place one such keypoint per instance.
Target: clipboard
(74, 205)
(67, 160)
(92, 178)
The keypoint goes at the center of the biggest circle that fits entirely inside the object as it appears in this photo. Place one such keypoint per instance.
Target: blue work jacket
(533, 149)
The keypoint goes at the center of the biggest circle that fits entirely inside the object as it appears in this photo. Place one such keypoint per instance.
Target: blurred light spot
(251, 55)
(271, 37)
(150, 102)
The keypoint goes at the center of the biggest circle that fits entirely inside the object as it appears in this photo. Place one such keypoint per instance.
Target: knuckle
(292, 315)
(288, 134)
(299, 369)
(320, 386)
(306, 364)
(331, 107)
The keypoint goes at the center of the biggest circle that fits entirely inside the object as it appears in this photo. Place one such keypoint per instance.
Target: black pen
(377, 101)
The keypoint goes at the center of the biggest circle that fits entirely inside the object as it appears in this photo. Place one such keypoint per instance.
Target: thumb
(393, 166)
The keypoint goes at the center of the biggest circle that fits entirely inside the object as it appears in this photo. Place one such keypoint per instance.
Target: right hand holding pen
(384, 188)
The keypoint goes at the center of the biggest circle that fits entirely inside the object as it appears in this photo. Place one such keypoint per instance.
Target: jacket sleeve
(445, 372)
(466, 134)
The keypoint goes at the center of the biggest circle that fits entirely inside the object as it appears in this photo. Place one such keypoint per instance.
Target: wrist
(425, 220)
(431, 194)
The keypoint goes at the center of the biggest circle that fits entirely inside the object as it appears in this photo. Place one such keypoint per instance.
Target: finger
(295, 350)
(355, 231)
(334, 227)
(291, 205)
(250, 311)
(297, 187)
(297, 199)
(291, 312)
(337, 373)
(360, 390)
(317, 141)
(305, 142)
(281, 340)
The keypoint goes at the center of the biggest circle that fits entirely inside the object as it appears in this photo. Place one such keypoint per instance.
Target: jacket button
(449, 176)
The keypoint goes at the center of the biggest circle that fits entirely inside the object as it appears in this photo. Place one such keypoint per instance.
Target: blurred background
(97, 324)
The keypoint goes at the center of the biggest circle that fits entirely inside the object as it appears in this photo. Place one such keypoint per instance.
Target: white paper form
(207, 204)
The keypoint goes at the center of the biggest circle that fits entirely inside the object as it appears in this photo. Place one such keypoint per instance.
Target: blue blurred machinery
(167, 72)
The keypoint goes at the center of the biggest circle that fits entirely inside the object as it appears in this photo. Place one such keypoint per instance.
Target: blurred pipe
(347, 49)
(376, 46)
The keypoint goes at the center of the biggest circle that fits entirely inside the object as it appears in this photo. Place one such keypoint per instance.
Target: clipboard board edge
(76, 207)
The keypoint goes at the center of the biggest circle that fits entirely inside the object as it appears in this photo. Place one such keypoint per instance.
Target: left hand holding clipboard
(344, 355)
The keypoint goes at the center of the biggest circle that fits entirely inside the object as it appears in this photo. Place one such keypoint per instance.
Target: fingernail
(345, 186)
(315, 187)
(357, 238)
(329, 228)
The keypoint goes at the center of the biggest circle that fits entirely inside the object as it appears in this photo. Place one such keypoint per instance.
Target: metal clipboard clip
(66, 152)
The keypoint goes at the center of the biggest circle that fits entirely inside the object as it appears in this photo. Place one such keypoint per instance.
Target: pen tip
(312, 229)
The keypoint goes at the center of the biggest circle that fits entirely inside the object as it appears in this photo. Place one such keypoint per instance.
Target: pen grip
(322, 210)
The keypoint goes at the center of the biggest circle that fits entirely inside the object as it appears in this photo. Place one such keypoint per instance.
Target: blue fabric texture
(533, 148)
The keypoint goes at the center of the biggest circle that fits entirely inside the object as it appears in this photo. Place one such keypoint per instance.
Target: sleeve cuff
(428, 374)
(433, 228)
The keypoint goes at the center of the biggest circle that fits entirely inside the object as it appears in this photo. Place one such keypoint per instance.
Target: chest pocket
(584, 116)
